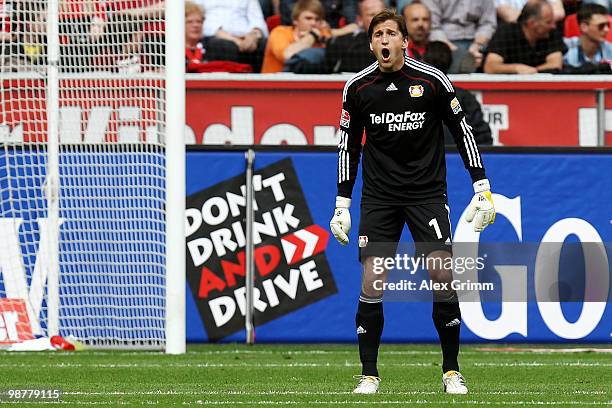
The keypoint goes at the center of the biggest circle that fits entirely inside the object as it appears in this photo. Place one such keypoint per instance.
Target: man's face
(597, 28)
(193, 27)
(306, 21)
(367, 10)
(545, 24)
(388, 45)
(418, 22)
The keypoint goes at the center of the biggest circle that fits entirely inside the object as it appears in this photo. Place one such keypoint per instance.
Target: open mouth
(386, 54)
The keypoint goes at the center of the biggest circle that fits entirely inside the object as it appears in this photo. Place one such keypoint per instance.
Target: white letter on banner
(216, 308)
(193, 220)
(283, 134)
(258, 304)
(207, 211)
(240, 133)
(326, 136)
(274, 182)
(200, 250)
(310, 276)
(513, 318)
(597, 279)
(13, 269)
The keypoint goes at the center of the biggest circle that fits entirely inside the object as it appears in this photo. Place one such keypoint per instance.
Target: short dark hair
(533, 8)
(439, 55)
(385, 15)
(586, 11)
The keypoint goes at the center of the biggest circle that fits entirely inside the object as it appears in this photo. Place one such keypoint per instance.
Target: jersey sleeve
(455, 119)
(349, 143)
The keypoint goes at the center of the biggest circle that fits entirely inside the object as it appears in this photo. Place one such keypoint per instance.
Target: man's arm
(480, 209)
(455, 119)
(349, 150)
(256, 19)
(486, 24)
(307, 41)
(558, 9)
(349, 144)
(553, 61)
(494, 64)
(507, 13)
(437, 33)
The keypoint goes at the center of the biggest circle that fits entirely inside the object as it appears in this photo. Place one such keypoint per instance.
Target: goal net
(83, 195)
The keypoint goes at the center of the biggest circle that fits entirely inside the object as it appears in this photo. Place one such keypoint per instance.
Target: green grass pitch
(311, 375)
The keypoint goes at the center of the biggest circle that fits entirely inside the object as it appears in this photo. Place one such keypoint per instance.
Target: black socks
(447, 319)
(369, 322)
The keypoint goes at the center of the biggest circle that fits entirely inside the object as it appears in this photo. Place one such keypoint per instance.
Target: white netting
(111, 167)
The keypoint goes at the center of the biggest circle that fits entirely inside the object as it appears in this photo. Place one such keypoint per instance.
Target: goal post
(92, 170)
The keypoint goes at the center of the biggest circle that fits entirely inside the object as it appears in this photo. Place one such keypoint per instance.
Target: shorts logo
(455, 106)
(416, 91)
(345, 119)
(363, 241)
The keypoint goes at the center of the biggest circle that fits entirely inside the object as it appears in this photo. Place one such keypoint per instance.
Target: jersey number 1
(434, 223)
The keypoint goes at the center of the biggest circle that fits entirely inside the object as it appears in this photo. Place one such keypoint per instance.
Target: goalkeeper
(401, 103)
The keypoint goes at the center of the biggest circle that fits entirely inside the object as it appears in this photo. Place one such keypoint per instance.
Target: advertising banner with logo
(305, 112)
(259, 110)
(308, 284)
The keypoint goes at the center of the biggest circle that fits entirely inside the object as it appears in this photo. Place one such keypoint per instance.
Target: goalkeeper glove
(340, 223)
(481, 209)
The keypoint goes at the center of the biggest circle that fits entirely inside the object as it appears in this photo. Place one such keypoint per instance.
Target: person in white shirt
(235, 31)
(591, 46)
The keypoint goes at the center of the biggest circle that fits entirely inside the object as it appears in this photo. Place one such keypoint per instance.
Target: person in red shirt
(196, 60)
(134, 34)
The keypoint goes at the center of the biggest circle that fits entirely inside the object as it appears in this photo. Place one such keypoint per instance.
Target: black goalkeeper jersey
(403, 156)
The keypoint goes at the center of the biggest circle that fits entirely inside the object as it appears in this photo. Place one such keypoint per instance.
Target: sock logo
(361, 330)
(454, 322)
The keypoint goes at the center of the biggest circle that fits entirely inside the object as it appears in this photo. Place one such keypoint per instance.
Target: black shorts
(380, 228)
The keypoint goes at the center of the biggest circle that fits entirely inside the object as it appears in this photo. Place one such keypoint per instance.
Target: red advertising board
(279, 109)
(527, 113)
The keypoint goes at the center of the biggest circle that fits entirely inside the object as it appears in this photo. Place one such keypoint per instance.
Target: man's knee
(372, 280)
(439, 266)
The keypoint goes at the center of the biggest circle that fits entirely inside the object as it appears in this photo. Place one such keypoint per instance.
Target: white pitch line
(289, 365)
(319, 393)
(388, 402)
(331, 402)
(323, 352)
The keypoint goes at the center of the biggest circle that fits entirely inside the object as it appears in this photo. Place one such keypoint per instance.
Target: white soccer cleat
(454, 383)
(368, 384)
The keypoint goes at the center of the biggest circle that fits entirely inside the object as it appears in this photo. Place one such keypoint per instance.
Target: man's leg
(370, 318)
(431, 230)
(379, 230)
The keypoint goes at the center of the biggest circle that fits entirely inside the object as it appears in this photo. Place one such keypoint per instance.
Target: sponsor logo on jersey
(399, 121)
(345, 119)
(455, 106)
(363, 241)
(416, 91)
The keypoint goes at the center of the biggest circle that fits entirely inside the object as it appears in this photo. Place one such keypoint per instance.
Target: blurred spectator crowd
(312, 36)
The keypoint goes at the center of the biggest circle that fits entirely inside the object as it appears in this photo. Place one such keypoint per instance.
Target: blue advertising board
(539, 197)
(307, 285)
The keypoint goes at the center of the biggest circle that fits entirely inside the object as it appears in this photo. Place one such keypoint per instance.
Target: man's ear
(371, 49)
(405, 44)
